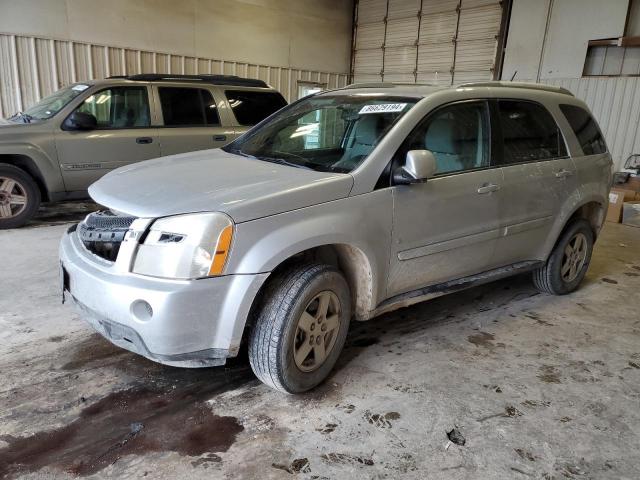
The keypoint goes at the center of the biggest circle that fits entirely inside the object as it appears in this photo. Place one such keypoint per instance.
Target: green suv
(57, 148)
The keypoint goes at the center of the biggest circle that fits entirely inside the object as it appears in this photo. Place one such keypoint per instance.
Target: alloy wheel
(13, 198)
(317, 331)
(575, 254)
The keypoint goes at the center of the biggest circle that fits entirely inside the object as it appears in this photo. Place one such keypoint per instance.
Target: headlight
(185, 246)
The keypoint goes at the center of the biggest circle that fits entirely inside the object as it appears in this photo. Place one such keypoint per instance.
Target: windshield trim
(72, 87)
(236, 146)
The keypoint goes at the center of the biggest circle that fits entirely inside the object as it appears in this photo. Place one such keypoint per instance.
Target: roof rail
(370, 85)
(532, 86)
(388, 85)
(213, 79)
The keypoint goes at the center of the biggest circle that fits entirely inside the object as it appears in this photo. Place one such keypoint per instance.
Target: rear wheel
(301, 328)
(568, 263)
(19, 197)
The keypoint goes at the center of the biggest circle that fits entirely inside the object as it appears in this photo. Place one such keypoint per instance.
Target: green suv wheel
(19, 197)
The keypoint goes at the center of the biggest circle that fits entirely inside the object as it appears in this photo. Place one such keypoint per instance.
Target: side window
(188, 107)
(118, 107)
(585, 128)
(457, 135)
(529, 132)
(251, 107)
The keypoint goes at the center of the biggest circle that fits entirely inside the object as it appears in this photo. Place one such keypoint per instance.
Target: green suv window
(118, 107)
(188, 107)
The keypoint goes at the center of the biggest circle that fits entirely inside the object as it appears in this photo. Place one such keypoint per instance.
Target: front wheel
(19, 197)
(301, 328)
(568, 263)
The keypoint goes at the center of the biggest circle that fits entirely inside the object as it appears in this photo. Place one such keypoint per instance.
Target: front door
(447, 228)
(123, 135)
(190, 120)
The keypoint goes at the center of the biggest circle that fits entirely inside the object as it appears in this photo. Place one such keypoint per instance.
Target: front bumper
(189, 323)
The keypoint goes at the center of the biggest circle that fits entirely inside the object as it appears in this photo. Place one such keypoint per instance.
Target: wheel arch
(29, 166)
(354, 264)
(592, 208)
(593, 211)
(352, 261)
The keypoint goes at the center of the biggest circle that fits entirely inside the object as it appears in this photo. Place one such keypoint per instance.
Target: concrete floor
(540, 387)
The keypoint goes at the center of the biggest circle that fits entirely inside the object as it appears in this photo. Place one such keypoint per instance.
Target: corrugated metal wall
(615, 102)
(31, 68)
(426, 41)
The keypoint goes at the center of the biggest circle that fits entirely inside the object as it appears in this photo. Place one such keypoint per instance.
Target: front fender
(362, 222)
(41, 161)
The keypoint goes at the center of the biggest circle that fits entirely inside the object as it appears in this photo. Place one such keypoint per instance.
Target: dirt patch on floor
(127, 422)
(549, 374)
(481, 339)
(94, 349)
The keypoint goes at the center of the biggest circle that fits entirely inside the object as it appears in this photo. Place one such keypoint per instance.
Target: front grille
(102, 233)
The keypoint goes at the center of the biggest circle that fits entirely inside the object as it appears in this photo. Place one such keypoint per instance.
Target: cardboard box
(616, 201)
(629, 194)
(631, 214)
(632, 184)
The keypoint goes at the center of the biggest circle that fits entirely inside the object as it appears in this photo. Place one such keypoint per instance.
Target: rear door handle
(144, 140)
(488, 188)
(219, 138)
(563, 173)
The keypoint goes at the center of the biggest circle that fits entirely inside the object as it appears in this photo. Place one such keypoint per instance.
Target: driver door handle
(488, 188)
(563, 173)
(144, 140)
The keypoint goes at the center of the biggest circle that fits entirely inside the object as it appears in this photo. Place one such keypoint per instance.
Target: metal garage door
(426, 41)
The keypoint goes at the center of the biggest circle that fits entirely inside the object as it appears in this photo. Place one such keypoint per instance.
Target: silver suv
(58, 147)
(346, 204)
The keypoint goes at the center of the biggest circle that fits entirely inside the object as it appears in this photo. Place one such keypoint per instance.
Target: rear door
(538, 178)
(593, 167)
(250, 107)
(123, 135)
(447, 227)
(190, 119)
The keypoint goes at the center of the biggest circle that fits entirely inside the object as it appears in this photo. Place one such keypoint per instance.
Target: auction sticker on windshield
(80, 87)
(383, 108)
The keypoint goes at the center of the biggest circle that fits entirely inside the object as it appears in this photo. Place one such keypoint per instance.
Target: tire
(280, 330)
(17, 185)
(553, 277)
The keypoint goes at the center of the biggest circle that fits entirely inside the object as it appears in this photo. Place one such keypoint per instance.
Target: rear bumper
(189, 323)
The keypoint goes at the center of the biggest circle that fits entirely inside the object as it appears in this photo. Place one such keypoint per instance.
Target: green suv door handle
(488, 188)
(563, 173)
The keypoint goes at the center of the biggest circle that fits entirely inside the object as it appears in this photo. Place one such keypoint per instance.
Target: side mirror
(419, 165)
(80, 121)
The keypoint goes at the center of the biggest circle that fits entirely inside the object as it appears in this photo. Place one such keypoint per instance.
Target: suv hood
(7, 125)
(214, 180)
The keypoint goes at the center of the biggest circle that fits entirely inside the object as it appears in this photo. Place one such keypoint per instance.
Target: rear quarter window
(585, 128)
(251, 107)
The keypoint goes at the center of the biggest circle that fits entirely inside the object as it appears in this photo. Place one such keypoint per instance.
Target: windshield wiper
(282, 161)
(307, 165)
(24, 117)
(312, 165)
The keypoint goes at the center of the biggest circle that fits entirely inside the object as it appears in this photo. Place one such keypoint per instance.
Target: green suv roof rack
(214, 79)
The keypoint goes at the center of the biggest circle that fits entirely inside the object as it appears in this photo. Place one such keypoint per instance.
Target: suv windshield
(49, 106)
(324, 133)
